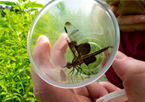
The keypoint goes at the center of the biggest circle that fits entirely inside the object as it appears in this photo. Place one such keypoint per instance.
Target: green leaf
(33, 5)
(3, 87)
(3, 93)
(15, 73)
(8, 3)
(10, 97)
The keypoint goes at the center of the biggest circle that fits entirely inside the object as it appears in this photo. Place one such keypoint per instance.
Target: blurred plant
(15, 75)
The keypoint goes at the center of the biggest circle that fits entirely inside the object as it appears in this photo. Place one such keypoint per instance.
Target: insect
(81, 52)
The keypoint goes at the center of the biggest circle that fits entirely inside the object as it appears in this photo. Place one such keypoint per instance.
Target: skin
(130, 22)
(131, 71)
(48, 93)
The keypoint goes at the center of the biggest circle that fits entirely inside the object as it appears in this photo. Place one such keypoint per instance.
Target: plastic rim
(117, 96)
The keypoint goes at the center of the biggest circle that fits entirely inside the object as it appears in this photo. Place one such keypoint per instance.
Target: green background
(15, 75)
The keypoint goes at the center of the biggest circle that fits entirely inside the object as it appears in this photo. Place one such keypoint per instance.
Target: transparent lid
(117, 96)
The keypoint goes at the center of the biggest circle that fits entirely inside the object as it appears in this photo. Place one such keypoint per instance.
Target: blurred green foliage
(15, 75)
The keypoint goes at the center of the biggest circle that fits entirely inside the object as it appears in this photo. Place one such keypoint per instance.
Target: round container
(116, 96)
(91, 27)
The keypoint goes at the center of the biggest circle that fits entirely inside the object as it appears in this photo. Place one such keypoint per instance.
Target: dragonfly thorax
(74, 64)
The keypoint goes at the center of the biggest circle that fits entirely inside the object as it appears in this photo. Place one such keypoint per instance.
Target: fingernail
(39, 39)
(42, 38)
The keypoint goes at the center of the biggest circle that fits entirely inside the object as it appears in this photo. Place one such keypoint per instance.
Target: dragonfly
(81, 52)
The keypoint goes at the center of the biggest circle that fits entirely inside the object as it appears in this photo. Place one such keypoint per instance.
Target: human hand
(134, 20)
(48, 93)
(132, 73)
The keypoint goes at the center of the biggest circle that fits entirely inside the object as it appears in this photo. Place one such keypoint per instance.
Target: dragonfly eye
(68, 65)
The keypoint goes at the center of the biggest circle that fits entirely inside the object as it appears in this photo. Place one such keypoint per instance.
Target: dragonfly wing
(72, 46)
(83, 49)
(89, 60)
(70, 29)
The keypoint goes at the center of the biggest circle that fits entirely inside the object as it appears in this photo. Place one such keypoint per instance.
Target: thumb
(119, 65)
(132, 73)
(125, 66)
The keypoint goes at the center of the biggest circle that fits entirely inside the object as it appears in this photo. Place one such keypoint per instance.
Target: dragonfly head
(68, 65)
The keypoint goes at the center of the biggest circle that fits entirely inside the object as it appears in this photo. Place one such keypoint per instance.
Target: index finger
(58, 50)
(131, 19)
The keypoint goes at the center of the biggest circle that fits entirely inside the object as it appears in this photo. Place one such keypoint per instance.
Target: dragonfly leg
(77, 72)
(90, 71)
(88, 74)
(72, 71)
(80, 71)
(68, 79)
(76, 75)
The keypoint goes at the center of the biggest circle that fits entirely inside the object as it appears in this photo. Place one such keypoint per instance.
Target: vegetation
(15, 21)
(15, 75)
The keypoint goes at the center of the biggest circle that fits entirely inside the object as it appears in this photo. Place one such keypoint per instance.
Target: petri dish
(86, 30)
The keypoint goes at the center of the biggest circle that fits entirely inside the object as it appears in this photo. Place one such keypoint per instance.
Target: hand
(132, 73)
(48, 93)
(127, 23)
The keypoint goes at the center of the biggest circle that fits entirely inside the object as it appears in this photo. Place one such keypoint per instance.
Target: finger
(58, 50)
(41, 55)
(39, 91)
(118, 65)
(132, 72)
(41, 52)
(131, 19)
(134, 86)
(48, 93)
(132, 27)
(114, 2)
(96, 90)
(114, 10)
(125, 66)
(82, 91)
(109, 87)
(42, 90)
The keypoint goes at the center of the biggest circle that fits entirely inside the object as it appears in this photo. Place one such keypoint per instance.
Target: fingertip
(64, 35)
(41, 39)
(120, 55)
(61, 43)
(59, 49)
(42, 49)
(109, 86)
(113, 8)
(121, 64)
(62, 39)
(42, 43)
(96, 90)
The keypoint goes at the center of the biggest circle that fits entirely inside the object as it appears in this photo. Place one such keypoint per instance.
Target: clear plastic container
(116, 96)
(95, 28)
